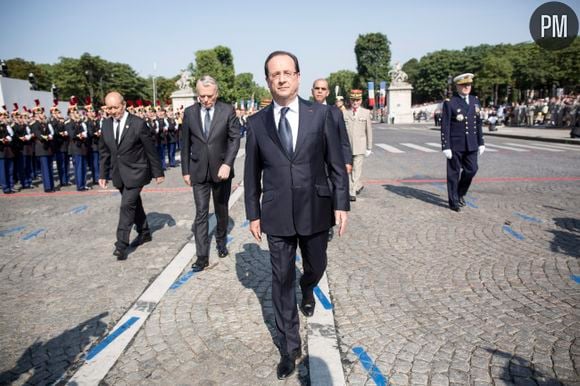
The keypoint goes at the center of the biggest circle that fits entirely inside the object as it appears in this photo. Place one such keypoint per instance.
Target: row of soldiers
(31, 144)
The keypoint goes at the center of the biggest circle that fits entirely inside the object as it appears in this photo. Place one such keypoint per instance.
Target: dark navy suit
(297, 203)
(461, 132)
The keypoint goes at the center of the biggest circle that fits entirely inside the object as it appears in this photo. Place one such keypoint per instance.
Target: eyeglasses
(282, 75)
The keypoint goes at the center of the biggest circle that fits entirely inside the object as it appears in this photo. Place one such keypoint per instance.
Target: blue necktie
(284, 131)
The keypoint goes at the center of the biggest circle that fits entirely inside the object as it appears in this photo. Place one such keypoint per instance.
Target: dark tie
(206, 123)
(117, 129)
(284, 131)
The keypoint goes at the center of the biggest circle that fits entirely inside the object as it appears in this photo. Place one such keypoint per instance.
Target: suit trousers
(131, 212)
(282, 259)
(458, 180)
(221, 195)
(46, 168)
(357, 164)
(7, 174)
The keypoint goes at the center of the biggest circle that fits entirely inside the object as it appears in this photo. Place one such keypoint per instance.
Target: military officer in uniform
(461, 139)
(43, 146)
(7, 153)
(360, 135)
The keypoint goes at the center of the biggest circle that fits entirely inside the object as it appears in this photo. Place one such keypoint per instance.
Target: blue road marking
(298, 258)
(182, 280)
(79, 209)
(6, 232)
(33, 234)
(111, 337)
(322, 298)
(370, 367)
(229, 239)
(528, 218)
(576, 278)
(468, 199)
(509, 230)
(245, 223)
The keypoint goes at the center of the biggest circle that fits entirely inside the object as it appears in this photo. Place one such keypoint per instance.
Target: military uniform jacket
(25, 145)
(42, 142)
(94, 134)
(6, 150)
(461, 124)
(359, 129)
(78, 146)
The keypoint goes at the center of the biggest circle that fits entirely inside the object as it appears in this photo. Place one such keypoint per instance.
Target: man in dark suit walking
(211, 139)
(129, 157)
(293, 151)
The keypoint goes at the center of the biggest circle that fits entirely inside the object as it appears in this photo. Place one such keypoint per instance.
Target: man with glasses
(211, 139)
(128, 155)
(461, 139)
(293, 152)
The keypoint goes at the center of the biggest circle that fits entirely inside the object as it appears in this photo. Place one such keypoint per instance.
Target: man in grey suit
(294, 163)
(211, 139)
(129, 157)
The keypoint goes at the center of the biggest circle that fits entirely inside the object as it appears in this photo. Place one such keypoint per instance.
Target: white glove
(481, 149)
(448, 153)
(368, 152)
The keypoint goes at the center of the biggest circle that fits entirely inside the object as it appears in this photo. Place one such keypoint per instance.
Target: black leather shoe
(141, 238)
(360, 190)
(462, 201)
(286, 366)
(120, 254)
(455, 208)
(353, 198)
(198, 267)
(307, 307)
(223, 252)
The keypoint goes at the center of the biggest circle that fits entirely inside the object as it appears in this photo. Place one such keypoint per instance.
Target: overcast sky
(321, 33)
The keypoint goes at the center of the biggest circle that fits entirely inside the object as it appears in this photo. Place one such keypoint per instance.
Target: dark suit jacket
(135, 160)
(198, 153)
(42, 146)
(296, 197)
(461, 124)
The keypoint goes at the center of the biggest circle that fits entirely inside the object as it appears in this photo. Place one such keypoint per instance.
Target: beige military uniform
(360, 135)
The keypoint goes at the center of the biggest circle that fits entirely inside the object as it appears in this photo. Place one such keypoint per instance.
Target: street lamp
(89, 74)
(3, 69)
(32, 81)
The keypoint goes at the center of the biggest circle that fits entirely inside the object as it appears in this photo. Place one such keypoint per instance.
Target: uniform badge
(459, 117)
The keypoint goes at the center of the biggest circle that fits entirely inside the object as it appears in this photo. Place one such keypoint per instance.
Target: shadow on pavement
(47, 362)
(418, 194)
(254, 271)
(158, 221)
(516, 370)
(567, 238)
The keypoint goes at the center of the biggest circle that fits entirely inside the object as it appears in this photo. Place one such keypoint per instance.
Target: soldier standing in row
(61, 144)
(94, 133)
(24, 139)
(7, 154)
(79, 147)
(43, 146)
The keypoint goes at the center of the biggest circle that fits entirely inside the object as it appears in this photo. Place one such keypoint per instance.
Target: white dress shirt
(121, 125)
(202, 114)
(292, 116)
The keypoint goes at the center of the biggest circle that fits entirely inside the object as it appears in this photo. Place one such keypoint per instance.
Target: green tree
(411, 68)
(218, 63)
(245, 88)
(19, 68)
(373, 57)
(346, 80)
(496, 71)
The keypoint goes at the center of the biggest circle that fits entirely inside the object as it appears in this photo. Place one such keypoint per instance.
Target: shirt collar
(292, 105)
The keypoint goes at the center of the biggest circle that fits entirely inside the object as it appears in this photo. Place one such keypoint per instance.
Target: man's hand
(348, 168)
(448, 153)
(187, 179)
(340, 217)
(256, 230)
(368, 152)
(159, 180)
(103, 183)
(224, 172)
(481, 149)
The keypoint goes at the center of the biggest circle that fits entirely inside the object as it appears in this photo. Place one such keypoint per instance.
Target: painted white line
(390, 149)
(438, 145)
(323, 352)
(92, 372)
(533, 147)
(504, 147)
(558, 146)
(421, 148)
